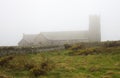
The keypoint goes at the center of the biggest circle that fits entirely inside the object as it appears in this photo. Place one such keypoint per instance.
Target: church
(65, 37)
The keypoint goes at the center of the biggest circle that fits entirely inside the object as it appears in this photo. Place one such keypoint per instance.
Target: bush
(87, 51)
(43, 68)
(3, 76)
(77, 47)
(111, 44)
(5, 60)
(36, 71)
(67, 46)
(21, 62)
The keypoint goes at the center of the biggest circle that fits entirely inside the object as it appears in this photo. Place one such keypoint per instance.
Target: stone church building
(65, 37)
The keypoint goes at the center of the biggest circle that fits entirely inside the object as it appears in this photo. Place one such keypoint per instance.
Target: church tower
(94, 28)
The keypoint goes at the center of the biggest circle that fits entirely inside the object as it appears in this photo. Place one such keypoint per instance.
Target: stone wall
(24, 50)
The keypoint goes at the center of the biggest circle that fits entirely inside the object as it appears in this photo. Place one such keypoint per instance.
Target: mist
(35, 16)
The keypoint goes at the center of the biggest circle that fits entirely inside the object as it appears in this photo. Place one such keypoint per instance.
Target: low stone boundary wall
(25, 50)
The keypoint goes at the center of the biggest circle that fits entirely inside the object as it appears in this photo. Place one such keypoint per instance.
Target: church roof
(29, 37)
(66, 35)
(63, 35)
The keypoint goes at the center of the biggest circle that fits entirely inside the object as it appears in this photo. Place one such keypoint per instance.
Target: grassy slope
(65, 66)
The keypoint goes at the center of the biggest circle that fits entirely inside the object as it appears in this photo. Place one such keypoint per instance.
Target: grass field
(63, 64)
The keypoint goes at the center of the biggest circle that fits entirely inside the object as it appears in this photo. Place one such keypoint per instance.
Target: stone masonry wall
(24, 50)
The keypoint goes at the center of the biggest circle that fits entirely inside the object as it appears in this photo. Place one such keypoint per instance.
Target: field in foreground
(81, 63)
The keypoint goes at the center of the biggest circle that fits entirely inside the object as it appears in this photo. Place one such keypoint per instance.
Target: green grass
(103, 65)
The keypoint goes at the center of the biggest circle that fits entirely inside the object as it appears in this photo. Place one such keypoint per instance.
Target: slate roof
(29, 37)
(66, 35)
(63, 35)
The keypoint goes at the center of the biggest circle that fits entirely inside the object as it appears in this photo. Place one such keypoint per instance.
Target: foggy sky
(35, 16)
